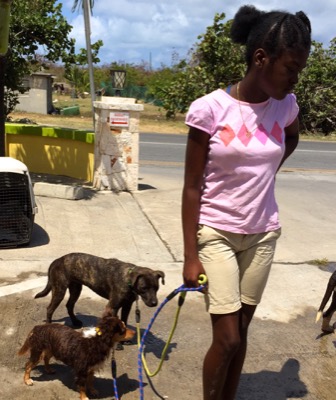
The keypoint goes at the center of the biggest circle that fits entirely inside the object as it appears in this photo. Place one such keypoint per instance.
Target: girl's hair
(274, 31)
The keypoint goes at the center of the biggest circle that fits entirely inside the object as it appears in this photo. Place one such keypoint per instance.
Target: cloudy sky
(159, 32)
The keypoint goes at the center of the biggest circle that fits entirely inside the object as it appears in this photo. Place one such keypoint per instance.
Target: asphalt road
(169, 150)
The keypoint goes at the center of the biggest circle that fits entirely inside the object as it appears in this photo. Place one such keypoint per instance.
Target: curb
(67, 192)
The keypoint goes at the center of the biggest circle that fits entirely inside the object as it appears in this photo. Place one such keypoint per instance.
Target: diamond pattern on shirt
(227, 135)
(261, 134)
(243, 135)
(276, 132)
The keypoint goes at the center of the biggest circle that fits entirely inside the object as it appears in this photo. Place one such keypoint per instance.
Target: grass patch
(152, 119)
(319, 262)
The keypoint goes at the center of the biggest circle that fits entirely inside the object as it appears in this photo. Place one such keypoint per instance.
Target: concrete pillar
(116, 143)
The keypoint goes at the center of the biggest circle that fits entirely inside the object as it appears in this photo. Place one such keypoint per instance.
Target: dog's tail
(47, 289)
(25, 348)
(331, 286)
(44, 292)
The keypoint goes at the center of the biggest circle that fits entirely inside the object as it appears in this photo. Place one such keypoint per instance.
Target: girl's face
(278, 77)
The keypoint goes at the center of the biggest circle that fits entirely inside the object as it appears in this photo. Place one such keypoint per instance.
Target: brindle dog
(119, 282)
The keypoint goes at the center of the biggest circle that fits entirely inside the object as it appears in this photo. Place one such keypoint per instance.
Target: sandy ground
(301, 368)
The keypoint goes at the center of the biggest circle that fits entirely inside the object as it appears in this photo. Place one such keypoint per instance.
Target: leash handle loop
(202, 279)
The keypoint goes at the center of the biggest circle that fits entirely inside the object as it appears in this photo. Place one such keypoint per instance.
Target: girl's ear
(259, 58)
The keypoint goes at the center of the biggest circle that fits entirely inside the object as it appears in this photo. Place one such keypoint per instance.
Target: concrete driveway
(287, 358)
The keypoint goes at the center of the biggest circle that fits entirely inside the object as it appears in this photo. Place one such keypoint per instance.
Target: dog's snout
(153, 303)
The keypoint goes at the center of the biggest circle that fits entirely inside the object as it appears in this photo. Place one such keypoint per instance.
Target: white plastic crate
(17, 203)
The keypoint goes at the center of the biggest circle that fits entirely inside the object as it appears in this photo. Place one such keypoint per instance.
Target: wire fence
(132, 91)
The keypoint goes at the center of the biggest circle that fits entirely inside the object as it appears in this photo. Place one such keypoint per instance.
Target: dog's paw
(326, 326)
(83, 396)
(29, 382)
(119, 346)
(328, 329)
(128, 342)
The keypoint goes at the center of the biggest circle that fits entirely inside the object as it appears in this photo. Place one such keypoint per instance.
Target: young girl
(238, 139)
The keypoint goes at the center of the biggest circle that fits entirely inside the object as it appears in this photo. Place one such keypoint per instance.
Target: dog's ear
(161, 274)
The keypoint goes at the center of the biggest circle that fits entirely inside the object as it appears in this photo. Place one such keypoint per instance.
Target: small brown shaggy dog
(83, 354)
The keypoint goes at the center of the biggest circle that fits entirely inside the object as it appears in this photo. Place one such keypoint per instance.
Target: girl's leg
(224, 346)
(225, 358)
(234, 371)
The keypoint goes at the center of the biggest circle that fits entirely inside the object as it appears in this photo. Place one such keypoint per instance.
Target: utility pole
(4, 33)
(87, 25)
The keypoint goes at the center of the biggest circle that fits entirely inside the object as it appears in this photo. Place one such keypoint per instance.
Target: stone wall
(116, 144)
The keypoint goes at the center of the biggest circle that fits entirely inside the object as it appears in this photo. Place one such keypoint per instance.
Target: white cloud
(137, 30)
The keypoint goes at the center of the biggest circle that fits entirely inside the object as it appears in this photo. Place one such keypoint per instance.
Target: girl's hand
(191, 272)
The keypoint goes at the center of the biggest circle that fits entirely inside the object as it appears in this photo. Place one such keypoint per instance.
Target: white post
(116, 144)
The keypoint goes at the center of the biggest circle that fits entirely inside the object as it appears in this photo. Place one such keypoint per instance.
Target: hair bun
(303, 17)
(243, 21)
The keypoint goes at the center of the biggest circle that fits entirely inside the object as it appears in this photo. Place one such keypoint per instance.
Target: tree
(214, 62)
(77, 74)
(217, 62)
(316, 91)
(34, 24)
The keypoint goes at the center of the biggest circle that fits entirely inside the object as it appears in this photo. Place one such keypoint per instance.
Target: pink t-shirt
(238, 190)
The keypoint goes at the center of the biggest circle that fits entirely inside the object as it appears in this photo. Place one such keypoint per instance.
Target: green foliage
(214, 62)
(217, 62)
(76, 72)
(10, 101)
(79, 79)
(34, 23)
(138, 79)
(316, 91)
(221, 60)
(81, 58)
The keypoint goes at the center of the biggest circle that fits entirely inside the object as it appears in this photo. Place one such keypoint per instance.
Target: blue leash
(114, 376)
(183, 290)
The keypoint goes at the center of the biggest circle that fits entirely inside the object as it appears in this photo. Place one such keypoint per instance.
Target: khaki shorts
(237, 267)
